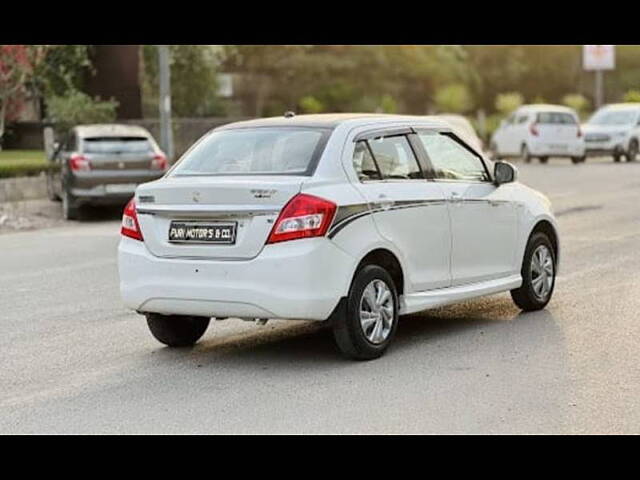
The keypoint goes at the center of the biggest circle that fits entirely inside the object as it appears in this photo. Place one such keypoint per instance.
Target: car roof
(622, 106)
(332, 120)
(537, 107)
(111, 130)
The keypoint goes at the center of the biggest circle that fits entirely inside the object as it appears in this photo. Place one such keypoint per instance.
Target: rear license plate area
(203, 232)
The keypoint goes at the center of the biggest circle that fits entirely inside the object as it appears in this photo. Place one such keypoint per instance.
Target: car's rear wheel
(544, 159)
(177, 330)
(578, 159)
(524, 154)
(70, 209)
(538, 274)
(632, 153)
(371, 318)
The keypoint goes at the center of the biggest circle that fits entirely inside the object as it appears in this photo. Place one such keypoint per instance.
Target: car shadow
(312, 345)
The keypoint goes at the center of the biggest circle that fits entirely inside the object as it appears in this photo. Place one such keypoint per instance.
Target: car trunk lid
(252, 204)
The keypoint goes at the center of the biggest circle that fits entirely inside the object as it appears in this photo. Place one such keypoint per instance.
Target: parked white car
(614, 130)
(353, 219)
(540, 131)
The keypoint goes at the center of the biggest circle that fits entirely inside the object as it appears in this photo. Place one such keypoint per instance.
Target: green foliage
(631, 96)
(454, 98)
(311, 104)
(508, 102)
(76, 108)
(388, 104)
(193, 81)
(578, 102)
(21, 163)
(62, 69)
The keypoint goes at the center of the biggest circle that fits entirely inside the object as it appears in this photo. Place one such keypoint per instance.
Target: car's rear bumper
(98, 187)
(549, 149)
(604, 151)
(300, 279)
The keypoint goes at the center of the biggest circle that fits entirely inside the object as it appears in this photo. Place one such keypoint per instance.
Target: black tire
(616, 157)
(349, 334)
(576, 160)
(526, 297)
(70, 208)
(177, 330)
(544, 159)
(632, 153)
(525, 155)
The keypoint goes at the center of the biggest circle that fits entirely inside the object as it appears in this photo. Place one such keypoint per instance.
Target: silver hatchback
(102, 165)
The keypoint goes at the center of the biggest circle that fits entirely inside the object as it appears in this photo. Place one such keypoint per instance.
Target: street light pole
(166, 133)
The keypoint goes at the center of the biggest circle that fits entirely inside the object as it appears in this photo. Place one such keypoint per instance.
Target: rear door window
(395, 158)
(117, 145)
(364, 164)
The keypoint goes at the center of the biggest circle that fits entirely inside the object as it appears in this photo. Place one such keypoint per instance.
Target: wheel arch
(546, 227)
(387, 260)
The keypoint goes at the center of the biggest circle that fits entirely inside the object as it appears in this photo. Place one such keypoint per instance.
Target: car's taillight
(534, 129)
(303, 217)
(130, 226)
(159, 162)
(579, 131)
(79, 163)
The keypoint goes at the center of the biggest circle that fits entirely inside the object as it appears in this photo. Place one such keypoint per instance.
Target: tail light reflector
(130, 226)
(79, 163)
(534, 129)
(303, 217)
(159, 162)
(579, 131)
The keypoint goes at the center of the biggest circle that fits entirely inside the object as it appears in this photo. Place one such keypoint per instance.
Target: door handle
(455, 197)
(384, 202)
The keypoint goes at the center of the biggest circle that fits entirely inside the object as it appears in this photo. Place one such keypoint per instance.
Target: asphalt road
(73, 359)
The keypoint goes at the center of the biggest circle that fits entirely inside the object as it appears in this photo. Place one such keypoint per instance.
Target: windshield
(117, 145)
(556, 118)
(613, 117)
(255, 151)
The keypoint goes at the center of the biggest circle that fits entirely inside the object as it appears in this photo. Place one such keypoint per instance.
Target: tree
(75, 108)
(15, 68)
(508, 102)
(193, 80)
(578, 102)
(453, 99)
(631, 96)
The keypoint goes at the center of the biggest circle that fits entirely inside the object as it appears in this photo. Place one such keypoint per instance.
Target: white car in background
(353, 219)
(614, 130)
(540, 131)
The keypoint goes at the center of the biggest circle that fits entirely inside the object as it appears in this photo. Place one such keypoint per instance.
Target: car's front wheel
(538, 274)
(177, 330)
(632, 153)
(371, 318)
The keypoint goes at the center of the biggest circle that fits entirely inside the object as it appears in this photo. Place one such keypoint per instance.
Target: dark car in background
(101, 165)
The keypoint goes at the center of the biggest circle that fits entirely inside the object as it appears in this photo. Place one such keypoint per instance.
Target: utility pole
(166, 133)
(599, 94)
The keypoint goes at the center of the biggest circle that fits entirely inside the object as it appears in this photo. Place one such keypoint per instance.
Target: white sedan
(354, 219)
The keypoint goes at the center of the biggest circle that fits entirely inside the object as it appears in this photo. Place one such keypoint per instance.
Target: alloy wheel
(377, 311)
(542, 272)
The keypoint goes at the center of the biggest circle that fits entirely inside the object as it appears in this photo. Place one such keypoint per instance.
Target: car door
(483, 215)
(408, 210)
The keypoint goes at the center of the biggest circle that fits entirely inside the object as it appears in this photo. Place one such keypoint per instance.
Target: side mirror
(504, 172)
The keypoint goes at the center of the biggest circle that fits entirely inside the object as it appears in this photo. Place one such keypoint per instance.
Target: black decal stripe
(362, 210)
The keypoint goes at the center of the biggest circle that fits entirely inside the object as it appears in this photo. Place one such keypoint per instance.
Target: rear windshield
(255, 151)
(556, 118)
(117, 145)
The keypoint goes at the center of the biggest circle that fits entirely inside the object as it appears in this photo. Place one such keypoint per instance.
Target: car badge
(121, 165)
(196, 197)
(263, 193)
